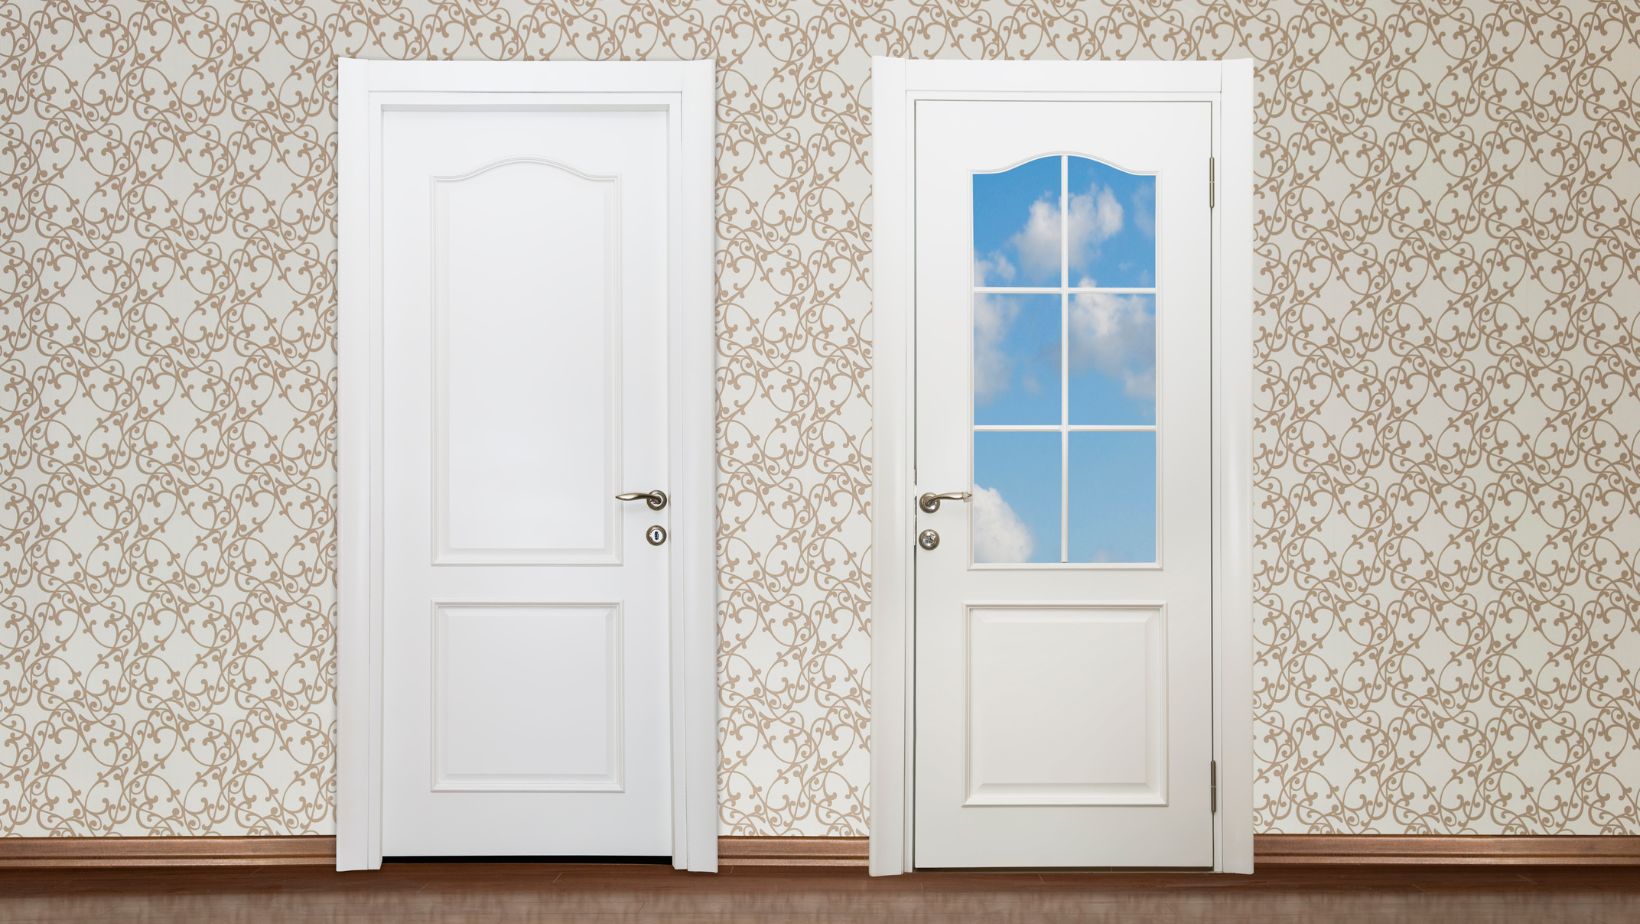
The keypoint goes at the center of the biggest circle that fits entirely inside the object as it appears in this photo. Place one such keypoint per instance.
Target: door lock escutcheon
(928, 540)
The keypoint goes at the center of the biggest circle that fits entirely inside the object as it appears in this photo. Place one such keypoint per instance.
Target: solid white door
(1063, 360)
(525, 626)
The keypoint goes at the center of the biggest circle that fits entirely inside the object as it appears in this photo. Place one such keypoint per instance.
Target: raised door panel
(526, 301)
(527, 698)
(1067, 705)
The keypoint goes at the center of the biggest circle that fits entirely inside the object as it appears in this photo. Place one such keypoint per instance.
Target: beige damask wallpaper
(1448, 420)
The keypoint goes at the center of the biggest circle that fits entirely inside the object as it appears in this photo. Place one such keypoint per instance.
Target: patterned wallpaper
(1448, 413)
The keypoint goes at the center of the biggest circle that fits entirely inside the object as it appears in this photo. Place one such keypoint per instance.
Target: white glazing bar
(1070, 428)
(1064, 358)
(1055, 290)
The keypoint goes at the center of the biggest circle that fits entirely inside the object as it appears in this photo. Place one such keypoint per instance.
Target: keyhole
(655, 534)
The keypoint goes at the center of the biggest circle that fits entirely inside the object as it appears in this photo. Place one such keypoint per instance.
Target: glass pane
(1016, 359)
(1112, 226)
(1015, 508)
(1113, 358)
(1113, 496)
(1016, 225)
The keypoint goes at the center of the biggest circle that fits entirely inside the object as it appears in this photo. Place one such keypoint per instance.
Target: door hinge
(1212, 183)
(1213, 785)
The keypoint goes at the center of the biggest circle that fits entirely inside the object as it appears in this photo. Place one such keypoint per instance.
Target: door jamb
(897, 85)
(685, 89)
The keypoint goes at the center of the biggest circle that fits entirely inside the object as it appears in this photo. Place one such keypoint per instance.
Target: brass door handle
(656, 499)
(929, 502)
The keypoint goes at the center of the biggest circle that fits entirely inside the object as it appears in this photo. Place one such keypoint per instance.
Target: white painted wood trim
(358, 490)
(693, 439)
(896, 86)
(892, 597)
(963, 78)
(686, 89)
(1233, 415)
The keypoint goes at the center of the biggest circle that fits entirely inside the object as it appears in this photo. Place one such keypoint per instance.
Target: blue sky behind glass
(1018, 242)
(1116, 215)
(1020, 471)
(1016, 359)
(1112, 502)
(1016, 225)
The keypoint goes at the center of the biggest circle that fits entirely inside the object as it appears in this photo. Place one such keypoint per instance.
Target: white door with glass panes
(1063, 633)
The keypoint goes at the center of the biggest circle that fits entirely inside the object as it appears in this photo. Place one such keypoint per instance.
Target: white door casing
(526, 332)
(1060, 713)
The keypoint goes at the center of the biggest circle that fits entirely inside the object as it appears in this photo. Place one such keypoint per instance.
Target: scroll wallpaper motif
(1448, 406)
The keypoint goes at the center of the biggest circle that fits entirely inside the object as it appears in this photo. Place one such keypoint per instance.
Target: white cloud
(1095, 217)
(992, 270)
(1116, 335)
(992, 365)
(999, 534)
(1144, 208)
(1038, 242)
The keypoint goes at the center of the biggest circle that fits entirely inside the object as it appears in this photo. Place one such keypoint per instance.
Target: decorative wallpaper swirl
(1448, 407)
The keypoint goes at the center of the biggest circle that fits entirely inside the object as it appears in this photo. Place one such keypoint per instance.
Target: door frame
(685, 90)
(897, 86)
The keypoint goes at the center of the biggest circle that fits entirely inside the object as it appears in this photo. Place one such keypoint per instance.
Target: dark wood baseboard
(16, 852)
(1435, 850)
(792, 851)
(28, 852)
(1269, 850)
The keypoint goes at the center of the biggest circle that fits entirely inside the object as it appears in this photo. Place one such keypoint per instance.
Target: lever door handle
(929, 502)
(656, 499)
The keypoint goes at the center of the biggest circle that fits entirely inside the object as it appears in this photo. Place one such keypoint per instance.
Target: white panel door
(1063, 620)
(525, 638)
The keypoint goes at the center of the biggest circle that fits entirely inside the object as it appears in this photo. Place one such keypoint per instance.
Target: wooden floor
(517, 892)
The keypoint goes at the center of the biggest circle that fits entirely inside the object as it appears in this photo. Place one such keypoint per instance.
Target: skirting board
(25, 852)
(16, 852)
(792, 851)
(1269, 850)
(1435, 850)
